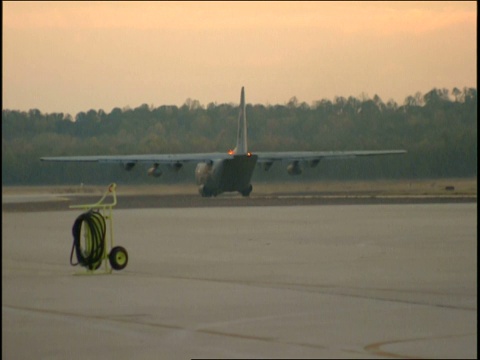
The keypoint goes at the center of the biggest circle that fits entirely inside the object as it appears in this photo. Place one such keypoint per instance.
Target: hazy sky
(76, 56)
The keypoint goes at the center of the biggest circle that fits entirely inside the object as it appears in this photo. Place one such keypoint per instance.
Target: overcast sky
(76, 56)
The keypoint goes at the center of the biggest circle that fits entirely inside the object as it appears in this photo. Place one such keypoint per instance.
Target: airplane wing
(312, 158)
(133, 159)
(265, 157)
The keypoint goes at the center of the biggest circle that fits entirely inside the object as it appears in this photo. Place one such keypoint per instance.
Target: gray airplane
(230, 171)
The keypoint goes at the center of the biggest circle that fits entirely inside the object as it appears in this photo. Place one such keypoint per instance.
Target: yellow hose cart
(89, 236)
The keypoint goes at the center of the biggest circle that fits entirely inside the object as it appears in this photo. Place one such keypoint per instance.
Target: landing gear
(205, 192)
(202, 191)
(247, 191)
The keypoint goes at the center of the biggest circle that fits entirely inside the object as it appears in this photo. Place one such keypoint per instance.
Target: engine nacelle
(154, 171)
(128, 165)
(294, 168)
(267, 165)
(202, 172)
(175, 166)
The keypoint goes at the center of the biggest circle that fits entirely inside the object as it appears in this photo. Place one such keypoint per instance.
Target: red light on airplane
(230, 152)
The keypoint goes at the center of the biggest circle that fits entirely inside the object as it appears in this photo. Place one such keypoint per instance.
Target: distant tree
(438, 130)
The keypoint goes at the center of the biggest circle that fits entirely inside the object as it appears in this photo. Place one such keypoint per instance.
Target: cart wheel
(118, 258)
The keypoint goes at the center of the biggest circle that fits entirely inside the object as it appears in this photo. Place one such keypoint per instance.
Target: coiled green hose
(92, 252)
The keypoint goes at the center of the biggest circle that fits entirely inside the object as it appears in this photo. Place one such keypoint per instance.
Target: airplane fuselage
(226, 175)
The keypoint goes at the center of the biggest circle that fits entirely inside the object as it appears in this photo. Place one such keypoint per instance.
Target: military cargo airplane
(231, 171)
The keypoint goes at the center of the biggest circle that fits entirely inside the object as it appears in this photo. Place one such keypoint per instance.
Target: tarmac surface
(59, 202)
(283, 277)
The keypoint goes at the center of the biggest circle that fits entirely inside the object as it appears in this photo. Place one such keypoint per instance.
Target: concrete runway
(343, 281)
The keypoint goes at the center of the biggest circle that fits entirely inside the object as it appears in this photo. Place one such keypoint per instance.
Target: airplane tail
(241, 148)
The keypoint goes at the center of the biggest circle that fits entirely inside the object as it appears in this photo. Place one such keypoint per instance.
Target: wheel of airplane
(247, 191)
(118, 258)
(205, 192)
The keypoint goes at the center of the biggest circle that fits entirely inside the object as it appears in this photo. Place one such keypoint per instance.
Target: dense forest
(438, 129)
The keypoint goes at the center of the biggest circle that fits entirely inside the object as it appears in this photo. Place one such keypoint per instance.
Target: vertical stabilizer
(241, 148)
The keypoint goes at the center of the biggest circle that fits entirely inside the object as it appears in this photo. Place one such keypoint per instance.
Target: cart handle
(98, 204)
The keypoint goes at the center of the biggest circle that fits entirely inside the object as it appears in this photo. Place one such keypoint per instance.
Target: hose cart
(89, 237)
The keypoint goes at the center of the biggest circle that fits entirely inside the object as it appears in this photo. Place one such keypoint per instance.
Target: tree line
(438, 129)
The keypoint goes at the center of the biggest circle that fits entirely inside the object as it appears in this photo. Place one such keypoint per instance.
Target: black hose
(91, 256)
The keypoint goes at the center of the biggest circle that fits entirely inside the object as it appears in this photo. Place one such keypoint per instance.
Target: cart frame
(106, 210)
